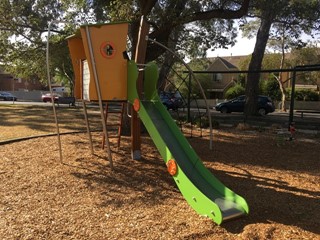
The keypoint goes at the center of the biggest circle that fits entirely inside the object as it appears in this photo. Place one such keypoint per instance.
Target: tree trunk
(283, 91)
(252, 85)
(281, 84)
(169, 59)
(280, 80)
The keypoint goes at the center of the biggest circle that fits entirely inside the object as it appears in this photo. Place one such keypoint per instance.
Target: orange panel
(77, 54)
(108, 41)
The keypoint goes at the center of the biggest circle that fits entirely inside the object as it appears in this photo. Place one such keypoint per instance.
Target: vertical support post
(189, 96)
(293, 84)
(13, 79)
(95, 74)
(50, 88)
(87, 125)
(140, 56)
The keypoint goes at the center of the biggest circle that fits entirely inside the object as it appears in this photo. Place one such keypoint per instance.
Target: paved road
(32, 103)
(24, 103)
(309, 121)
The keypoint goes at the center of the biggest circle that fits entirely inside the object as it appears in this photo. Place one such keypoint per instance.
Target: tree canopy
(189, 27)
(23, 27)
(192, 27)
(277, 19)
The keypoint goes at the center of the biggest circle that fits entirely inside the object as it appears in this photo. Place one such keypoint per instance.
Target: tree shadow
(274, 201)
(257, 149)
(269, 199)
(41, 118)
(147, 177)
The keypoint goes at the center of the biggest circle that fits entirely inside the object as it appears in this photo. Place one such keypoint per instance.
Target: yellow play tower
(97, 57)
(100, 69)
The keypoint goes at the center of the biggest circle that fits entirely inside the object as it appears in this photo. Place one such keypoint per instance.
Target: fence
(299, 105)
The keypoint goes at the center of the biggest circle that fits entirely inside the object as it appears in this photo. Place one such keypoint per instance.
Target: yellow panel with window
(108, 42)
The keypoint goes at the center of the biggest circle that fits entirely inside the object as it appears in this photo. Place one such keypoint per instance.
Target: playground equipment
(97, 58)
(103, 74)
(205, 193)
(97, 54)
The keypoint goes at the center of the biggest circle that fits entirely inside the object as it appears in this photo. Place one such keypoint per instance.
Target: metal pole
(303, 68)
(13, 90)
(95, 74)
(87, 125)
(293, 84)
(50, 88)
(200, 87)
(189, 96)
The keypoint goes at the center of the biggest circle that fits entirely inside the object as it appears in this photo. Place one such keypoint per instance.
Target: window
(217, 77)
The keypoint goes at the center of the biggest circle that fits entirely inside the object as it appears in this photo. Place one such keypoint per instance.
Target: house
(9, 83)
(221, 82)
(6, 81)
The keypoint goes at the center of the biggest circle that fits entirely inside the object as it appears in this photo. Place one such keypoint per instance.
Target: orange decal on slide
(136, 105)
(172, 167)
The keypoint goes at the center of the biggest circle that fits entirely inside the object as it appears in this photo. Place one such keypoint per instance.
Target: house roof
(230, 62)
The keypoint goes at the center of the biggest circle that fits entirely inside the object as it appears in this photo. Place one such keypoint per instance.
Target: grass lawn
(18, 121)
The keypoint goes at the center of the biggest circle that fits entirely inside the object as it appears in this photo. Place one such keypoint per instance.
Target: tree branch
(162, 32)
(146, 6)
(221, 13)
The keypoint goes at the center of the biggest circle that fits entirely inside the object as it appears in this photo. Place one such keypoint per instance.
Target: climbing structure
(114, 119)
(100, 70)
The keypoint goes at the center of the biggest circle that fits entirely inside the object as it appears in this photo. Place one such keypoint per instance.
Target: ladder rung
(115, 128)
(114, 112)
(114, 125)
(113, 136)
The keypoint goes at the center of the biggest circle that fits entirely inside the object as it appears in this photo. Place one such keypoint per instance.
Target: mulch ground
(81, 198)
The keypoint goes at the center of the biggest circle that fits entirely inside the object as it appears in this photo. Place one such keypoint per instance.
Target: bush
(271, 88)
(203, 122)
(304, 95)
(235, 91)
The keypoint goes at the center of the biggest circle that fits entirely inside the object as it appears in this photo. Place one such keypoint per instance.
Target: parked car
(7, 96)
(47, 97)
(265, 105)
(171, 100)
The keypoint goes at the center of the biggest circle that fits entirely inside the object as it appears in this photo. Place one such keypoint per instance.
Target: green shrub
(235, 91)
(271, 88)
(203, 122)
(304, 95)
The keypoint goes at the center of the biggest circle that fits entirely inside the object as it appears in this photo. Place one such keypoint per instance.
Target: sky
(243, 46)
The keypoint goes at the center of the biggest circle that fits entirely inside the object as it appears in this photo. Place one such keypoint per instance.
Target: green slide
(202, 190)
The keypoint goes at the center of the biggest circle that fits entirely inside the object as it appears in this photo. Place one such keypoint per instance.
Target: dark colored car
(265, 105)
(7, 96)
(47, 97)
(171, 100)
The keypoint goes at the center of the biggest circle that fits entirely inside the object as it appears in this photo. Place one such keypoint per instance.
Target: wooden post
(140, 56)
